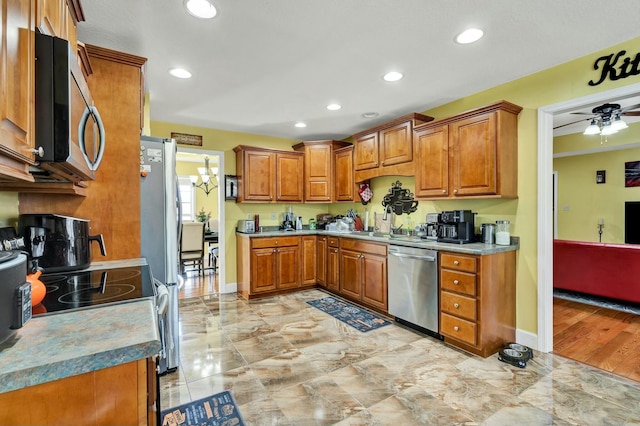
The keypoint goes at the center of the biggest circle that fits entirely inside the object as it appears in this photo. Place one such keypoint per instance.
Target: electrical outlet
(248, 216)
(273, 216)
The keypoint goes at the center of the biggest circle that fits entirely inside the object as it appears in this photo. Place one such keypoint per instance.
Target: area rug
(358, 318)
(220, 409)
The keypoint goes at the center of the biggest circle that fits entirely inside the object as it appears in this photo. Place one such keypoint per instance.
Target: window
(188, 198)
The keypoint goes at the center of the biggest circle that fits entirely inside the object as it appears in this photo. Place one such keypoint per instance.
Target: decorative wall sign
(614, 68)
(186, 139)
(632, 173)
(230, 187)
(601, 176)
(399, 200)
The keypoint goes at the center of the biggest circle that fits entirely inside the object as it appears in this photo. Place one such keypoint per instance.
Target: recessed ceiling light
(300, 124)
(334, 107)
(370, 115)
(200, 8)
(393, 76)
(180, 73)
(469, 36)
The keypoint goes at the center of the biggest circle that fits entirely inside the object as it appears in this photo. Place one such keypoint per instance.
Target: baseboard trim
(527, 338)
(229, 288)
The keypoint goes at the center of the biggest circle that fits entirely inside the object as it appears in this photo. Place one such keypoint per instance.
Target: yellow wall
(208, 202)
(8, 209)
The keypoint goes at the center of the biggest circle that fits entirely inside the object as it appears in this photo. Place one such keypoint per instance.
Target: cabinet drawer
(459, 282)
(363, 246)
(458, 262)
(274, 242)
(461, 306)
(458, 328)
(333, 241)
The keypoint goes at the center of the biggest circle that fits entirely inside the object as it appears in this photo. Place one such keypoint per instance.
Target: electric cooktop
(91, 288)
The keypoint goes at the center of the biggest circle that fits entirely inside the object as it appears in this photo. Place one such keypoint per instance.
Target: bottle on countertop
(299, 223)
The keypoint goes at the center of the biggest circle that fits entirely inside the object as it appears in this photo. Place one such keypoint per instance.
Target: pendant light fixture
(208, 182)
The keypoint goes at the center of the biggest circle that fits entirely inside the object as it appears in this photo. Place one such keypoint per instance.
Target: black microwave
(68, 126)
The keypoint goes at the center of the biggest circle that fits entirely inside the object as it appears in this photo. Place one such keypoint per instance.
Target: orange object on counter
(38, 289)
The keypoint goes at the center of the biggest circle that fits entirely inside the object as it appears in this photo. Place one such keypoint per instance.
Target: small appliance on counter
(456, 226)
(246, 226)
(15, 293)
(323, 220)
(289, 222)
(432, 226)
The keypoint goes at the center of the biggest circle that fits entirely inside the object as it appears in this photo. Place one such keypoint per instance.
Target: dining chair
(192, 246)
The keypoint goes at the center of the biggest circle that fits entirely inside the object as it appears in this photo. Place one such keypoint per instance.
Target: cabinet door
(321, 261)
(351, 273)
(50, 17)
(259, 175)
(263, 269)
(317, 170)
(309, 261)
(374, 280)
(365, 155)
(333, 268)
(16, 89)
(290, 175)
(473, 159)
(432, 162)
(288, 267)
(344, 185)
(396, 144)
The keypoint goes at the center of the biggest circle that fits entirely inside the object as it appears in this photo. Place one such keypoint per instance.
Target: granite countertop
(53, 347)
(402, 240)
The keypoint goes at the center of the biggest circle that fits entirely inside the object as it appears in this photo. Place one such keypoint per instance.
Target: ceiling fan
(605, 115)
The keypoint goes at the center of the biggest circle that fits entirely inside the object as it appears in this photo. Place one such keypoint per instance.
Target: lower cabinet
(333, 264)
(363, 272)
(124, 394)
(309, 261)
(477, 301)
(321, 260)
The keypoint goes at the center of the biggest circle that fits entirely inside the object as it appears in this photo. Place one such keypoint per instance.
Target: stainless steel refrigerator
(160, 235)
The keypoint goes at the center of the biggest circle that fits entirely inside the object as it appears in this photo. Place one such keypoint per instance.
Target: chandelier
(208, 182)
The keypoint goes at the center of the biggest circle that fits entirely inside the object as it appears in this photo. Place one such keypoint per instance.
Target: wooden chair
(192, 246)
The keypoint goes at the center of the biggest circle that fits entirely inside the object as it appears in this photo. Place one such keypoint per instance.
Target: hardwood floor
(197, 285)
(596, 336)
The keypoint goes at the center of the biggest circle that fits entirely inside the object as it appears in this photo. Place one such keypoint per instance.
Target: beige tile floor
(287, 363)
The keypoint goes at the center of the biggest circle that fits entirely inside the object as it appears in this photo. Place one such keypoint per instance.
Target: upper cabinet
(319, 169)
(59, 18)
(387, 149)
(345, 188)
(269, 176)
(16, 85)
(470, 155)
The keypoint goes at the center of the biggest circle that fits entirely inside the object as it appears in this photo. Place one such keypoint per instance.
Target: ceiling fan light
(619, 124)
(608, 130)
(592, 129)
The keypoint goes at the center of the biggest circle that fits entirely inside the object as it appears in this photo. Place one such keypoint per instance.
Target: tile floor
(288, 363)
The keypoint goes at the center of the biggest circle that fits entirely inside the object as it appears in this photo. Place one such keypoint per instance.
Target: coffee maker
(432, 226)
(456, 226)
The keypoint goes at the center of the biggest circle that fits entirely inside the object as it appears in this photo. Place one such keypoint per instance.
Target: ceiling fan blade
(632, 113)
(582, 113)
(627, 108)
(569, 124)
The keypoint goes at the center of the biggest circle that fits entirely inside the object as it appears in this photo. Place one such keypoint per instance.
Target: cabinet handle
(456, 305)
(39, 151)
(455, 191)
(456, 328)
(455, 262)
(444, 191)
(375, 164)
(382, 163)
(456, 282)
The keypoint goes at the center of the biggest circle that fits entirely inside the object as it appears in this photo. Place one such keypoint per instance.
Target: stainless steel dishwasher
(413, 287)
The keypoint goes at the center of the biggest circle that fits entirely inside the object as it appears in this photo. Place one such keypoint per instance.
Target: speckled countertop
(53, 347)
(402, 240)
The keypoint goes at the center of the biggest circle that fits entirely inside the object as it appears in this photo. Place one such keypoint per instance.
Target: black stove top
(86, 289)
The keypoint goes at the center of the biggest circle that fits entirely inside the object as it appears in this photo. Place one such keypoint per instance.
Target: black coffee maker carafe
(456, 226)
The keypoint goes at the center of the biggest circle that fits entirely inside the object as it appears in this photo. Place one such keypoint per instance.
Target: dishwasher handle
(413, 256)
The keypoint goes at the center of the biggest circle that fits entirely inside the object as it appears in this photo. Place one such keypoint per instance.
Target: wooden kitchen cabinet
(309, 260)
(470, 155)
(333, 264)
(17, 53)
(319, 169)
(363, 272)
(124, 394)
(321, 260)
(269, 176)
(477, 301)
(345, 187)
(387, 149)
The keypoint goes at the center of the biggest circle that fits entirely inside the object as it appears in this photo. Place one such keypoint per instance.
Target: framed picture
(632, 173)
(230, 187)
(601, 176)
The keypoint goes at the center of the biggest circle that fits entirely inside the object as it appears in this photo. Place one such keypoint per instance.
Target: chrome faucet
(386, 211)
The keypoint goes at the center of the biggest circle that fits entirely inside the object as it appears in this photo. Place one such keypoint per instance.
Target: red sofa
(608, 270)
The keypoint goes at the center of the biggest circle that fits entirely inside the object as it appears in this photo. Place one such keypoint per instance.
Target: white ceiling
(260, 66)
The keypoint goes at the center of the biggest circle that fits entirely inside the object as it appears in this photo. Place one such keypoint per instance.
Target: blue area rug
(220, 409)
(358, 318)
